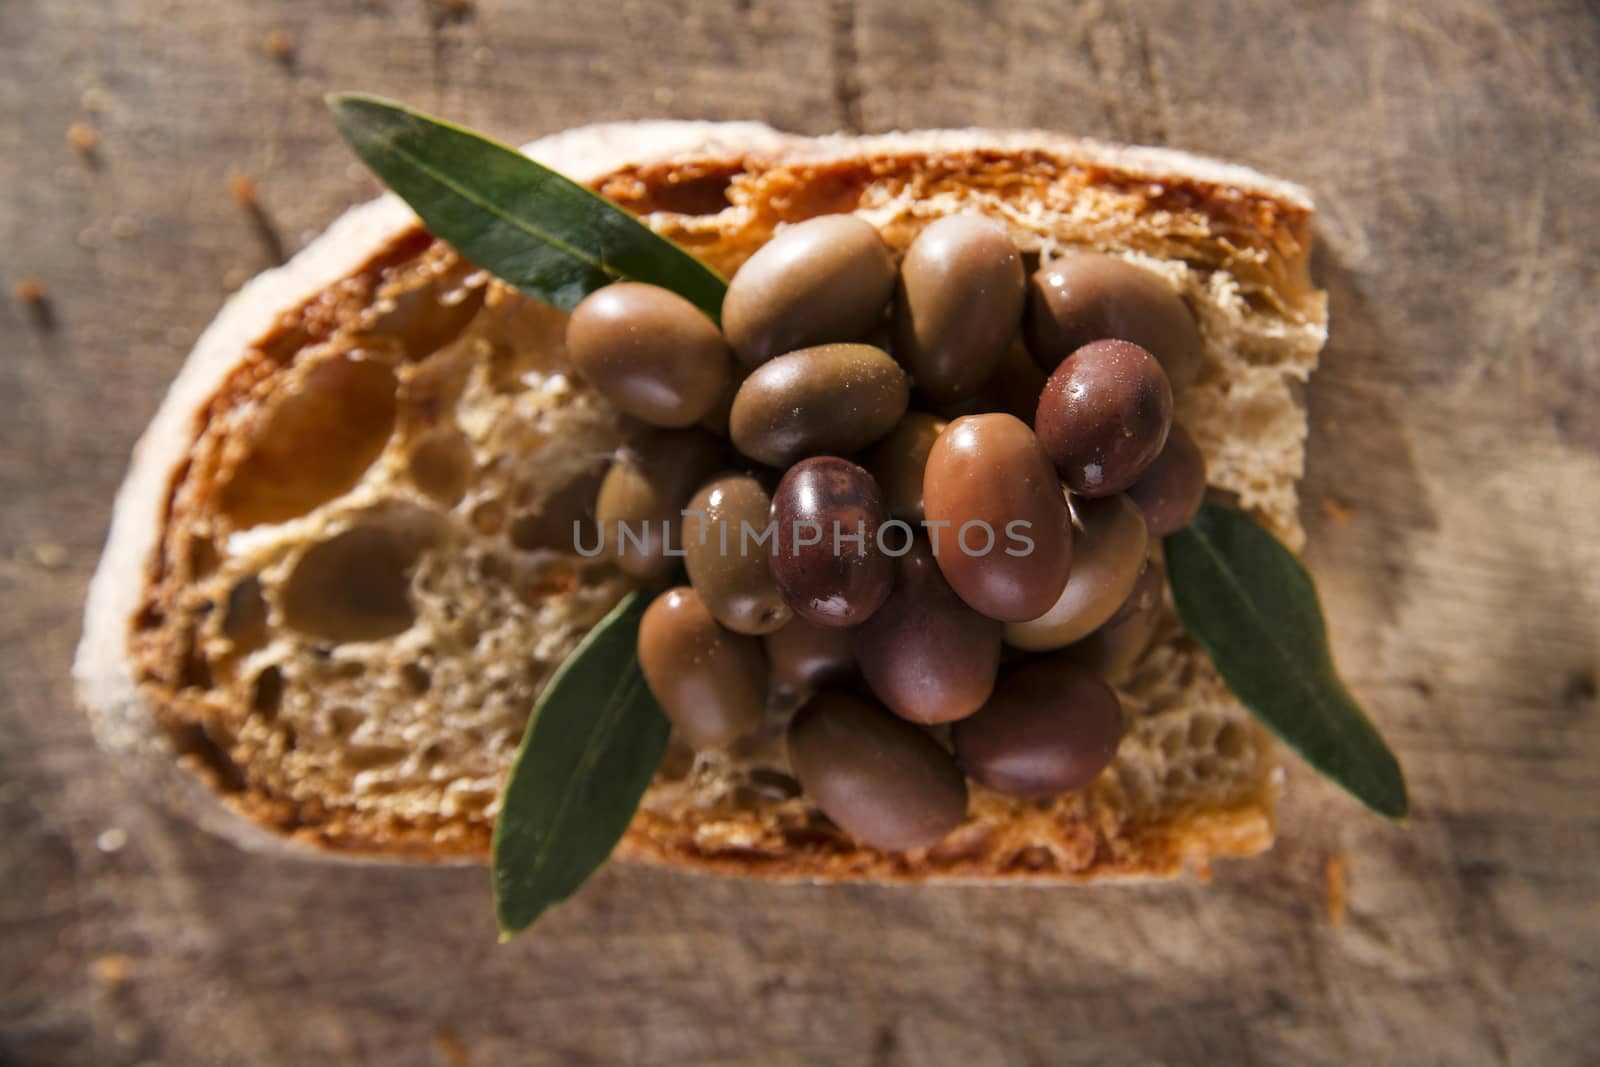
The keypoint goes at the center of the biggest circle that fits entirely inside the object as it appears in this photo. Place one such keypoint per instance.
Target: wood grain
(1453, 498)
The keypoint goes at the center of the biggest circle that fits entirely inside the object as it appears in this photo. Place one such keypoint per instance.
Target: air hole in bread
(343, 721)
(430, 391)
(266, 694)
(566, 513)
(488, 517)
(425, 310)
(244, 619)
(371, 757)
(1202, 731)
(356, 586)
(313, 442)
(196, 668)
(1230, 741)
(440, 464)
(418, 678)
(203, 555)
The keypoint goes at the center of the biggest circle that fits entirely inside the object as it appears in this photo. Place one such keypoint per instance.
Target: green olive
(725, 552)
(1109, 543)
(899, 461)
(641, 500)
(958, 305)
(650, 352)
(711, 682)
(832, 399)
(825, 279)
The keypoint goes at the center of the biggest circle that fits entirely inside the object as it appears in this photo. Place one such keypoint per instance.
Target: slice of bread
(336, 577)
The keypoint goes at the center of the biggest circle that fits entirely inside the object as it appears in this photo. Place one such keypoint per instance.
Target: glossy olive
(883, 780)
(925, 653)
(958, 304)
(1108, 551)
(832, 399)
(645, 490)
(1089, 297)
(1171, 489)
(711, 682)
(804, 656)
(899, 460)
(825, 551)
(1113, 649)
(1051, 726)
(650, 352)
(725, 552)
(997, 517)
(1103, 416)
(825, 279)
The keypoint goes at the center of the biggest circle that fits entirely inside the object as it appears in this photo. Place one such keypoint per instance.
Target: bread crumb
(112, 970)
(243, 188)
(1202, 872)
(112, 840)
(1333, 875)
(278, 45)
(450, 1048)
(82, 136)
(30, 291)
(50, 555)
(1336, 510)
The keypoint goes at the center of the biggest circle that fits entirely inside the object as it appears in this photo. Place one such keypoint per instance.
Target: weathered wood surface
(1453, 499)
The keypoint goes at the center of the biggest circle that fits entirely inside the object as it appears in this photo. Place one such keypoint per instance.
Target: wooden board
(1453, 499)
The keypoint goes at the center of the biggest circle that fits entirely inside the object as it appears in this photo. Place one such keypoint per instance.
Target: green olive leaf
(595, 741)
(534, 229)
(1249, 603)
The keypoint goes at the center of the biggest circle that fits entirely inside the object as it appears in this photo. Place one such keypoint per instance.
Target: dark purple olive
(997, 517)
(804, 656)
(1050, 727)
(884, 781)
(1171, 489)
(1087, 297)
(711, 682)
(825, 552)
(1113, 649)
(925, 653)
(1103, 416)
(958, 304)
(650, 352)
(822, 280)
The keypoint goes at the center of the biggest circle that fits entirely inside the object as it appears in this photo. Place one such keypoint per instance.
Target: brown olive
(1112, 650)
(883, 780)
(997, 517)
(641, 500)
(1171, 489)
(825, 279)
(829, 399)
(1050, 727)
(805, 656)
(1090, 297)
(711, 682)
(1103, 416)
(958, 304)
(825, 552)
(725, 547)
(1108, 551)
(650, 352)
(925, 653)
(898, 462)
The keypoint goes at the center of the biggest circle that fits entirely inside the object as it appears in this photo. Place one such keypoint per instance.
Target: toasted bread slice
(339, 570)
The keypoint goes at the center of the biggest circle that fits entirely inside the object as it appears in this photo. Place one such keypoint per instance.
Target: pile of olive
(903, 497)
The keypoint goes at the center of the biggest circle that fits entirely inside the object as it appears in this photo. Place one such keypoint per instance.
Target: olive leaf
(1251, 605)
(595, 741)
(522, 222)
